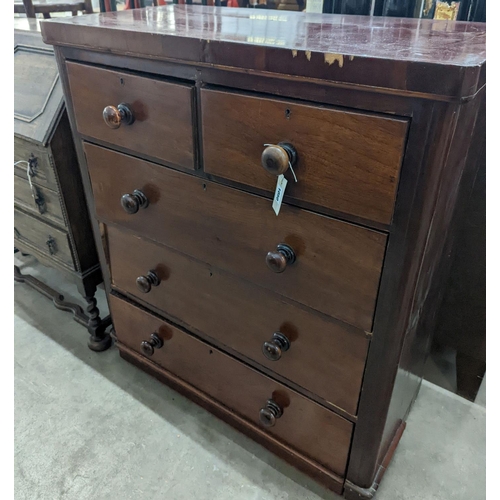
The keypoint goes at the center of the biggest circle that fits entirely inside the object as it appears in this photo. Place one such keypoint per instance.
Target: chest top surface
(351, 49)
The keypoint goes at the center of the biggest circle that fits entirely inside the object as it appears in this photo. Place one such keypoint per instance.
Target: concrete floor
(91, 426)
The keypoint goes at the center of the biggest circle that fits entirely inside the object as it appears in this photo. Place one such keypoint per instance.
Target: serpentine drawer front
(272, 197)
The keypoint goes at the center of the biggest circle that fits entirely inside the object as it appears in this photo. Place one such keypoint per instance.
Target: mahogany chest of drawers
(307, 330)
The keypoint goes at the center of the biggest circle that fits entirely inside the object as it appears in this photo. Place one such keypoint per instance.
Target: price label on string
(279, 193)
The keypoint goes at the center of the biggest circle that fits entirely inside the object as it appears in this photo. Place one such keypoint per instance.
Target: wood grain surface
(338, 265)
(348, 162)
(326, 357)
(306, 426)
(162, 110)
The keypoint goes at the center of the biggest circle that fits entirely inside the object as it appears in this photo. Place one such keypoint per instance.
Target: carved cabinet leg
(99, 339)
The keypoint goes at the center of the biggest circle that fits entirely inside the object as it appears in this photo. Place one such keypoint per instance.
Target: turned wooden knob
(144, 283)
(114, 116)
(278, 260)
(272, 349)
(132, 202)
(277, 158)
(270, 413)
(148, 346)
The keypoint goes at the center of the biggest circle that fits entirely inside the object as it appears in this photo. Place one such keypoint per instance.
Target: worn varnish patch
(331, 58)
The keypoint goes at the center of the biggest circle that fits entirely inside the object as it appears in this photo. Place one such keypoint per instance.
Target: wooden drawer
(49, 205)
(348, 162)
(305, 426)
(42, 173)
(338, 265)
(162, 110)
(326, 357)
(46, 238)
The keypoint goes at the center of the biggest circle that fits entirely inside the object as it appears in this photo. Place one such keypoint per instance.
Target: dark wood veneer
(194, 293)
(427, 74)
(162, 124)
(346, 161)
(304, 424)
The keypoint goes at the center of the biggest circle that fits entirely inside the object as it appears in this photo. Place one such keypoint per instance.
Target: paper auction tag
(279, 193)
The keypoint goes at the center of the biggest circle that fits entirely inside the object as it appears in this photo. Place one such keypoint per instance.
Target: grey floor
(91, 426)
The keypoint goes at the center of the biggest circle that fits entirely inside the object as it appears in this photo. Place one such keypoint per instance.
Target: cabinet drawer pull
(278, 260)
(148, 346)
(132, 202)
(274, 348)
(115, 115)
(276, 159)
(39, 200)
(144, 283)
(270, 413)
(51, 244)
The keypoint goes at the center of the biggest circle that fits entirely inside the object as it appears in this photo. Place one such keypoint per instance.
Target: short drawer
(324, 356)
(42, 172)
(337, 267)
(346, 161)
(304, 425)
(45, 203)
(162, 112)
(46, 238)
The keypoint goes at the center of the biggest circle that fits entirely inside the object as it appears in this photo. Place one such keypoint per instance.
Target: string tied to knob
(289, 159)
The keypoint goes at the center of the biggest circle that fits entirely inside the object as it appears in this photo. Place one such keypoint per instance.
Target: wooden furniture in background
(51, 220)
(47, 7)
(308, 330)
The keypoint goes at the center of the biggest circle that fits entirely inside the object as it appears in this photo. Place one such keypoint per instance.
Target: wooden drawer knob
(273, 348)
(132, 202)
(144, 283)
(114, 116)
(270, 413)
(277, 158)
(148, 346)
(283, 256)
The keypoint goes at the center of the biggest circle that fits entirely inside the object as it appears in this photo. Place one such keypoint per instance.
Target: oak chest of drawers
(51, 219)
(307, 330)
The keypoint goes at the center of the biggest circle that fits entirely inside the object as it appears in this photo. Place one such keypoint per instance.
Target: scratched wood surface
(390, 53)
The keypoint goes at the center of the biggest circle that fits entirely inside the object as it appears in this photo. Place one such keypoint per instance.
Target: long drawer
(324, 356)
(337, 267)
(45, 204)
(346, 161)
(42, 172)
(162, 112)
(304, 425)
(48, 239)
